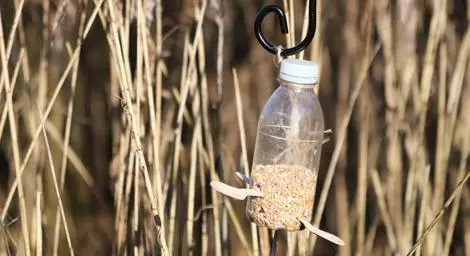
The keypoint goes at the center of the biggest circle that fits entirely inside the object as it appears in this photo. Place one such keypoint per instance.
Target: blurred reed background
(128, 109)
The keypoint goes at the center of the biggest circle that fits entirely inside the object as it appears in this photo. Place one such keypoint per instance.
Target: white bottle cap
(299, 71)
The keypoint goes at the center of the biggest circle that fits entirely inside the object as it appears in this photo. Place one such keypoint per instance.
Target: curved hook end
(284, 28)
(259, 19)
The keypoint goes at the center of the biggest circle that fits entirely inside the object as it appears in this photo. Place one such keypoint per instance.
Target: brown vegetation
(118, 114)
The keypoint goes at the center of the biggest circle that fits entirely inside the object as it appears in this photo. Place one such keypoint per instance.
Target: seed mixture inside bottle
(288, 196)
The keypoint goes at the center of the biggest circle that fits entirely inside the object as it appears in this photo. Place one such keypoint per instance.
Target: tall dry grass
(117, 115)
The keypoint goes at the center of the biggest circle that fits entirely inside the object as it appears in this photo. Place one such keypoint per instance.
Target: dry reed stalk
(441, 118)
(125, 83)
(186, 114)
(362, 168)
(305, 26)
(155, 127)
(119, 220)
(138, 79)
(422, 208)
(288, 13)
(7, 240)
(368, 154)
(11, 37)
(191, 62)
(14, 142)
(371, 235)
(291, 242)
(136, 200)
(460, 143)
(466, 222)
(302, 241)
(74, 159)
(141, 31)
(68, 127)
(58, 16)
(405, 50)
(219, 22)
(123, 191)
(436, 219)
(185, 86)
(127, 199)
(38, 224)
(190, 83)
(42, 86)
(435, 33)
(204, 221)
(47, 111)
(43, 76)
(196, 140)
(174, 175)
(227, 203)
(384, 212)
(341, 197)
(246, 169)
(263, 240)
(238, 227)
(341, 137)
(187, 49)
(415, 152)
(317, 43)
(457, 79)
(344, 81)
(56, 186)
(455, 89)
(14, 76)
(22, 41)
(200, 47)
(466, 219)
(436, 27)
(207, 130)
(455, 208)
(36, 214)
(292, 22)
(230, 210)
(342, 210)
(394, 159)
(147, 79)
(156, 119)
(124, 21)
(124, 29)
(425, 84)
(364, 124)
(405, 64)
(15, 24)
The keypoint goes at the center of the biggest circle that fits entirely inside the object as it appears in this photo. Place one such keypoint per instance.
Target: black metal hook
(284, 28)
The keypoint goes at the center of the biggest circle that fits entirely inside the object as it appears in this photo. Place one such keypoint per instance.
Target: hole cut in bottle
(287, 150)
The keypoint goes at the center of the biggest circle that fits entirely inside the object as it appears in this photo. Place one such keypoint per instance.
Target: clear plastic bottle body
(286, 157)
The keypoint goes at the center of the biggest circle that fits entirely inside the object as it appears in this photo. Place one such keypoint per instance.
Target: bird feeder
(287, 150)
(281, 190)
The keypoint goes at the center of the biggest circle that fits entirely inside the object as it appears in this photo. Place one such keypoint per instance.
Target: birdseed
(288, 191)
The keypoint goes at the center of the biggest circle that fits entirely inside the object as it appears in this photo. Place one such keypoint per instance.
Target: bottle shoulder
(287, 99)
(293, 106)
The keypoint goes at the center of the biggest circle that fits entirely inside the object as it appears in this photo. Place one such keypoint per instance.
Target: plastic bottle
(287, 150)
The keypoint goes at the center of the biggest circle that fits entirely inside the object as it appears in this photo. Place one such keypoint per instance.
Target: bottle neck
(296, 85)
